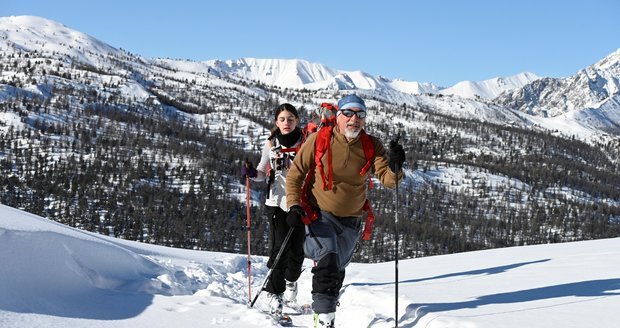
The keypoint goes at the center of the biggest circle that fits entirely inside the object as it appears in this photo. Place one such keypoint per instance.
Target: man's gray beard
(351, 134)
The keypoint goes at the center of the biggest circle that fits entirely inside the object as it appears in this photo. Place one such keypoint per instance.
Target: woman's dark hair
(284, 107)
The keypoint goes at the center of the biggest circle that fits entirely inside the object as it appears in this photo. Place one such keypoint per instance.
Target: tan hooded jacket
(349, 188)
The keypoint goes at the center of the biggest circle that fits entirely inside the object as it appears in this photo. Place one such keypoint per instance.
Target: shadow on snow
(592, 288)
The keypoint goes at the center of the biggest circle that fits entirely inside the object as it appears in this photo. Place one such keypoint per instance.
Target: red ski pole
(247, 204)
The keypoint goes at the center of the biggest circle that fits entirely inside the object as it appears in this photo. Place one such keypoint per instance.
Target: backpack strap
(369, 151)
(370, 219)
(305, 203)
(322, 145)
(311, 127)
(369, 154)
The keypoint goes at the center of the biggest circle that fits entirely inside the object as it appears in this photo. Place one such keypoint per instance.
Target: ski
(300, 309)
(282, 320)
(277, 319)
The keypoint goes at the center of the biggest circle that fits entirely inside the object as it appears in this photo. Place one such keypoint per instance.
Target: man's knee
(327, 278)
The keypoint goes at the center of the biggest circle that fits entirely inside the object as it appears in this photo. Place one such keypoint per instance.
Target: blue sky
(443, 42)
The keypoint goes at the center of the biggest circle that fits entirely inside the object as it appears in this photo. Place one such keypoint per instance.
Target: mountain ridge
(520, 94)
(292, 73)
(592, 92)
(300, 74)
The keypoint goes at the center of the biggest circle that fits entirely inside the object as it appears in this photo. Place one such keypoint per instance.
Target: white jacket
(276, 163)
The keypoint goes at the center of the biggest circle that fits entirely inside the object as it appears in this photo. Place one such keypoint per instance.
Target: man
(337, 194)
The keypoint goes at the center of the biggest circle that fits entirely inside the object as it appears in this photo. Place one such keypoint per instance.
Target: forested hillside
(140, 150)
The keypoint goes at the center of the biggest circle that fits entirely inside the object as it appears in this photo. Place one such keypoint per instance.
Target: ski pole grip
(394, 144)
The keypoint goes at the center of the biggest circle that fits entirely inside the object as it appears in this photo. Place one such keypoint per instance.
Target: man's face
(349, 122)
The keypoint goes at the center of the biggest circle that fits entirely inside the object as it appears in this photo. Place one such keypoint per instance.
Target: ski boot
(276, 303)
(290, 294)
(324, 320)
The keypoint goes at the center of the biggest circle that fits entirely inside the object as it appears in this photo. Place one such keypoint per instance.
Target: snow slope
(32, 33)
(491, 88)
(55, 276)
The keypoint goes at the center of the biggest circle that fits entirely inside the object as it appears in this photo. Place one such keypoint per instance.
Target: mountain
(144, 149)
(31, 33)
(490, 89)
(56, 276)
(590, 98)
(301, 74)
(28, 33)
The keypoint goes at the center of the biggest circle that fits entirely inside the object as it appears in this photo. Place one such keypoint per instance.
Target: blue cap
(351, 101)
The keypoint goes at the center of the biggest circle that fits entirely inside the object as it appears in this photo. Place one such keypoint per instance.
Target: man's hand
(396, 155)
(295, 213)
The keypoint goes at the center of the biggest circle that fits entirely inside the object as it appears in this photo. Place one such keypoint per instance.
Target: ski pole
(397, 169)
(247, 204)
(275, 263)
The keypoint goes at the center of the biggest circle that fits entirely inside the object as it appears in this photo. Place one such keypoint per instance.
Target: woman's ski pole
(275, 263)
(247, 204)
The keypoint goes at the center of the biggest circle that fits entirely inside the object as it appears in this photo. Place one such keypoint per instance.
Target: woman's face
(286, 122)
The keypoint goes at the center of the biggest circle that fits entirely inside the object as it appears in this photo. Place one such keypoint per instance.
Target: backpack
(322, 146)
(325, 115)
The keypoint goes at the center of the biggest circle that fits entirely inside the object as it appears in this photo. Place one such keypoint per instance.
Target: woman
(278, 154)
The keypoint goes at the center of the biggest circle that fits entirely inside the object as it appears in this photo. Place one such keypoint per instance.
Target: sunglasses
(349, 113)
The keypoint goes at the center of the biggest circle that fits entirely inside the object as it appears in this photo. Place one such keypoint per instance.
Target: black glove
(396, 155)
(247, 169)
(295, 213)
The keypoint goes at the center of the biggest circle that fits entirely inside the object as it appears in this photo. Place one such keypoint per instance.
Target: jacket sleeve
(264, 165)
(381, 168)
(301, 166)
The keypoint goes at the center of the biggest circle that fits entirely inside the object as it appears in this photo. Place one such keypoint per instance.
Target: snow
(36, 33)
(300, 74)
(7, 120)
(576, 106)
(56, 276)
(489, 89)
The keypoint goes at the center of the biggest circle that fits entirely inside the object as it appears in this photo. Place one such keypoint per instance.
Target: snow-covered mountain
(301, 74)
(590, 98)
(526, 98)
(490, 88)
(31, 33)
